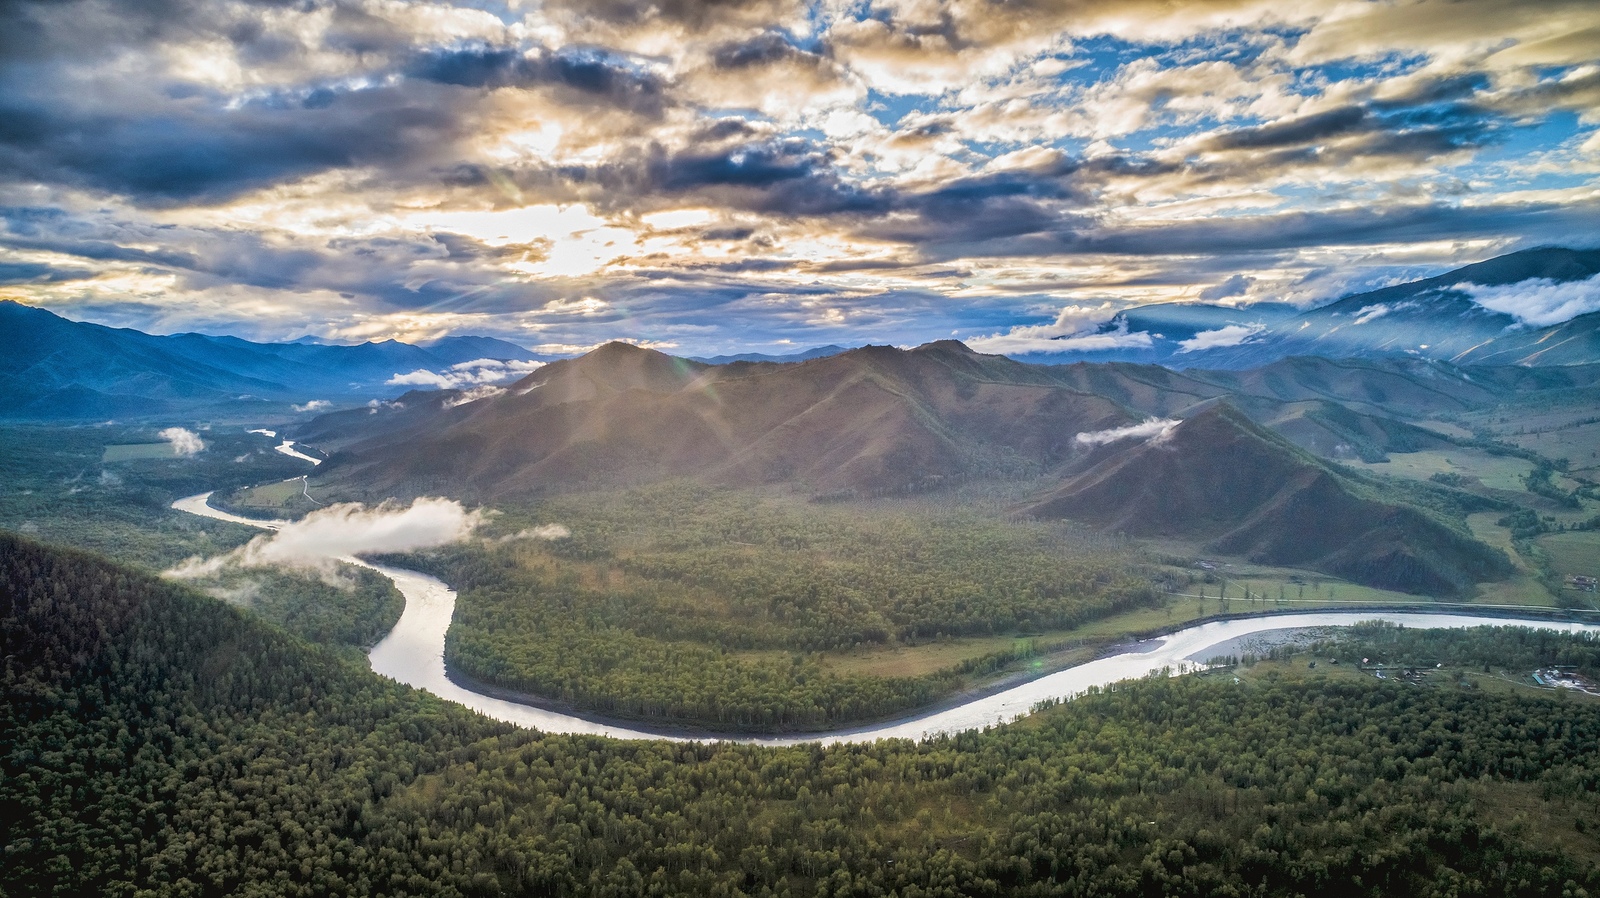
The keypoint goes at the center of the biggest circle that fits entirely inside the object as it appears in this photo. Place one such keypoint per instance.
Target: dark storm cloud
(39, 273)
(216, 153)
(768, 48)
(1295, 132)
(1391, 128)
(786, 177)
(683, 13)
(592, 73)
(1344, 227)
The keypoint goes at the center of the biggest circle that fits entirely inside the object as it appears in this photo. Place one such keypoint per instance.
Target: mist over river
(413, 653)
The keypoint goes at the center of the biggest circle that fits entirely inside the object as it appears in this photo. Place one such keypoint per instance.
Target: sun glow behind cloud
(715, 175)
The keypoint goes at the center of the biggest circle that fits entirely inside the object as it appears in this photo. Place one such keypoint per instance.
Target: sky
(707, 176)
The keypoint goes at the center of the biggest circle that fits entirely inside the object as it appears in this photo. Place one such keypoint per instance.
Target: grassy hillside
(1244, 491)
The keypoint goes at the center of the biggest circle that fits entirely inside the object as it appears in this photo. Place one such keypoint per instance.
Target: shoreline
(1112, 647)
(1110, 659)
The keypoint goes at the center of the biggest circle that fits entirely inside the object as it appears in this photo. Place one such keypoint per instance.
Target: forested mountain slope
(154, 740)
(866, 421)
(1218, 477)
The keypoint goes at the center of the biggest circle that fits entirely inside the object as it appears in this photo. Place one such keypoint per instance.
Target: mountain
(1219, 478)
(866, 421)
(1168, 332)
(468, 348)
(52, 368)
(1430, 318)
(1574, 342)
(816, 352)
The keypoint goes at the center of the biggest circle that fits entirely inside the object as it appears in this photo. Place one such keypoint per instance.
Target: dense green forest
(56, 484)
(345, 605)
(1499, 648)
(642, 607)
(154, 741)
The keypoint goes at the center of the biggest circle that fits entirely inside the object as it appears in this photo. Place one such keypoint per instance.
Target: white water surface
(413, 653)
(287, 448)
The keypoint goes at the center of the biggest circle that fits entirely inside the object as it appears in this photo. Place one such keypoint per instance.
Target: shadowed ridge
(613, 368)
(1219, 478)
(868, 421)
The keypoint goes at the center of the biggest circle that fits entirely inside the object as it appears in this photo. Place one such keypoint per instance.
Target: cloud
(1539, 302)
(36, 272)
(315, 405)
(1231, 335)
(184, 442)
(178, 165)
(543, 531)
(1077, 328)
(1237, 285)
(473, 395)
(467, 374)
(1378, 310)
(591, 74)
(1156, 428)
(344, 530)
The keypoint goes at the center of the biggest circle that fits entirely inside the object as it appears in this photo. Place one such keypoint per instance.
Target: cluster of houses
(1557, 678)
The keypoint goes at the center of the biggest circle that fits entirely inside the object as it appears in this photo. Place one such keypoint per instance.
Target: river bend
(413, 653)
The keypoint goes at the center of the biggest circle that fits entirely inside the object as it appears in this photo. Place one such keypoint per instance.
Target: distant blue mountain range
(805, 355)
(1430, 318)
(55, 369)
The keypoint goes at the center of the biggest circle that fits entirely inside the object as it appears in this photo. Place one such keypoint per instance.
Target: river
(413, 653)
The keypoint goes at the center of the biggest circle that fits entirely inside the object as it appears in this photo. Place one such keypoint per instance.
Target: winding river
(413, 653)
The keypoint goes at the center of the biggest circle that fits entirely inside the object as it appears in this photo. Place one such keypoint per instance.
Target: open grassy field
(281, 496)
(1568, 429)
(1300, 669)
(1446, 428)
(1496, 472)
(137, 451)
(1573, 553)
(1522, 588)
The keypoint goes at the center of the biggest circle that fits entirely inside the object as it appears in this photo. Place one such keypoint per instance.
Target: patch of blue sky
(889, 109)
(1358, 70)
(1557, 127)
(501, 10)
(992, 148)
(998, 313)
(1098, 59)
(1237, 47)
(1149, 140)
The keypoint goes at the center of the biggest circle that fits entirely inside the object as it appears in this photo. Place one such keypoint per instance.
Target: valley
(1278, 780)
(707, 602)
(865, 580)
(798, 449)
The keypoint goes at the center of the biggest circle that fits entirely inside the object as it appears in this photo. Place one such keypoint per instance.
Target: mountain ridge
(1244, 491)
(53, 368)
(1397, 320)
